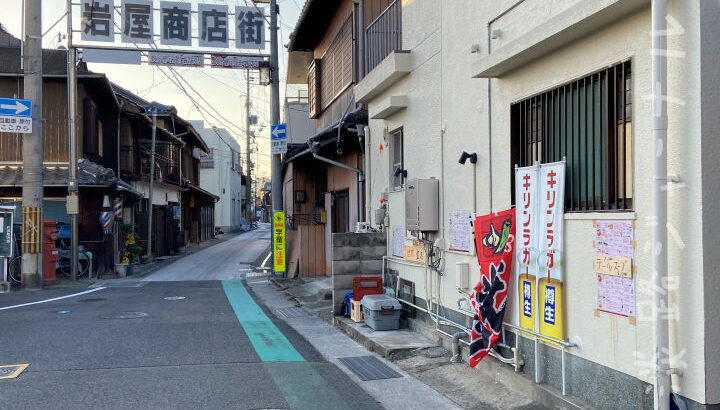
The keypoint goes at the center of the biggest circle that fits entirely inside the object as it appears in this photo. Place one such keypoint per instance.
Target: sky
(221, 91)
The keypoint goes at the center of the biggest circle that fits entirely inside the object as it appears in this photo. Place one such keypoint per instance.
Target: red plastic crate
(366, 285)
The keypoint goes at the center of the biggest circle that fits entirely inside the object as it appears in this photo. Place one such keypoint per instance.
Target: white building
(221, 174)
(487, 78)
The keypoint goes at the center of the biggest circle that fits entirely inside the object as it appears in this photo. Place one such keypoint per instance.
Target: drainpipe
(456, 357)
(368, 188)
(659, 81)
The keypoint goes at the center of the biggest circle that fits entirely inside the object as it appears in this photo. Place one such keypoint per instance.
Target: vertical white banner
(527, 241)
(552, 205)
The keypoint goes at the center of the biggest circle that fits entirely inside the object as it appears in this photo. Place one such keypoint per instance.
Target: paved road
(183, 343)
(227, 260)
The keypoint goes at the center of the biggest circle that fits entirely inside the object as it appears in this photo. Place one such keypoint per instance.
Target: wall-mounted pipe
(337, 164)
(659, 82)
(456, 357)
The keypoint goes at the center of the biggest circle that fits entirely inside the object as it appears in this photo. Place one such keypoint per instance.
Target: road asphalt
(189, 336)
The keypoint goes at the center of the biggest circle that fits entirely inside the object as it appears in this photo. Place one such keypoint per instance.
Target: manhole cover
(11, 371)
(91, 300)
(174, 298)
(124, 315)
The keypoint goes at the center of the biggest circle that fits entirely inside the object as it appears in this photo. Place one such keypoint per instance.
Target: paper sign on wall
(414, 253)
(615, 287)
(616, 295)
(460, 234)
(614, 238)
(613, 265)
(398, 241)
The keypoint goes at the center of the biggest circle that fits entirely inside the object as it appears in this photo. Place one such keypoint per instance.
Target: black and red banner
(494, 240)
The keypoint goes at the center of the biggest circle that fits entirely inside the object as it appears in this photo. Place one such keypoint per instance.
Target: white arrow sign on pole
(15, 115)
(17, 107)
(278, 138)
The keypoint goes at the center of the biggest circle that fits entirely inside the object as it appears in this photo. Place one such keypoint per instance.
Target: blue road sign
(14, 107)
(278, 131)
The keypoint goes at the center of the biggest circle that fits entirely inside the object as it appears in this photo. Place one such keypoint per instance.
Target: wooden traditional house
(113, 147)
(333, 46)
(98, 167)
(182, 211)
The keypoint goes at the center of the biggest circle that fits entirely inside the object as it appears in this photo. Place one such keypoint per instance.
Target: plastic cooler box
(381, 312)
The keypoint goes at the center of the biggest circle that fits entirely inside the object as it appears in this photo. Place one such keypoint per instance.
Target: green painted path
(269, 342)
(302, 386)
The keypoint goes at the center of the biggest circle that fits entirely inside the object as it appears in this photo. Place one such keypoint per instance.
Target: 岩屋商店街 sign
(173, 22)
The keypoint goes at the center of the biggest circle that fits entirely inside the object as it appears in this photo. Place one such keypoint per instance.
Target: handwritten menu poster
(612, 265)
(460, 234)
(616, 295)
(398, 240)
(614, 238)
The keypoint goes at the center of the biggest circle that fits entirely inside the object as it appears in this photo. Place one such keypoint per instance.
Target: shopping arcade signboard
(142, 24)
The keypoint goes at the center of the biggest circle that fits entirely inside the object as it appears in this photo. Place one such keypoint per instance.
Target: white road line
(266, 259)
(52, 300)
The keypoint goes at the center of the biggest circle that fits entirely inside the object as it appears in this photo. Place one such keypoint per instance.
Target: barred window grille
(589, 123)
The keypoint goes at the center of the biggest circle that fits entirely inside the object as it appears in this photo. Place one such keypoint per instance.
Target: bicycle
(15, 263)
(63, 264)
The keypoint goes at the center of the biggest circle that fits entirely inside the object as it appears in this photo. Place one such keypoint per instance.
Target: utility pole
(73, 203)
(152, 179)
(248, 183)
(32, 150)
(277, 197)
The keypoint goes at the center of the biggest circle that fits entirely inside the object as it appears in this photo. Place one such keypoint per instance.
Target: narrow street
(231, 259)
(189, 336)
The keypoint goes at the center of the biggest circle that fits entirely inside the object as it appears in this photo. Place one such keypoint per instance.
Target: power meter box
(421, 205)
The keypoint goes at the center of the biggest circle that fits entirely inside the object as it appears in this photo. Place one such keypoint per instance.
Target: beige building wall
(447, 113)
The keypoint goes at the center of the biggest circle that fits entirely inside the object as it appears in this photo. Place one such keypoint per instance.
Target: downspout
(659, 81)
(456, 357)
(122, 103)
(368, 187)
(363, 176)
(489, 108)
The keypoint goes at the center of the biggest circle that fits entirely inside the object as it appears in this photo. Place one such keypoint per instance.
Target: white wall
(443, 96)
(222, 180)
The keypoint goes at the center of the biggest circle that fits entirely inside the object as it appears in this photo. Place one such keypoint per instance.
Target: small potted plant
(132, 251)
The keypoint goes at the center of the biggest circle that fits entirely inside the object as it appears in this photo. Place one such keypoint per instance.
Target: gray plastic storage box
(381, 312)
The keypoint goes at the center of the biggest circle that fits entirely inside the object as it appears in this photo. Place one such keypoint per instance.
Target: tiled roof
(89, 174)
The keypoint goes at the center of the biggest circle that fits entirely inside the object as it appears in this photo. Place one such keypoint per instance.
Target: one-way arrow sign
(278, 138)
(278, 131)
(16, 108)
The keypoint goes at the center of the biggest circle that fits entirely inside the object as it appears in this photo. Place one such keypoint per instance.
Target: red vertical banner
(495, 242)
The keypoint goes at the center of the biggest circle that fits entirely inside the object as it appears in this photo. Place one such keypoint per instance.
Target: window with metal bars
(589, 123)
